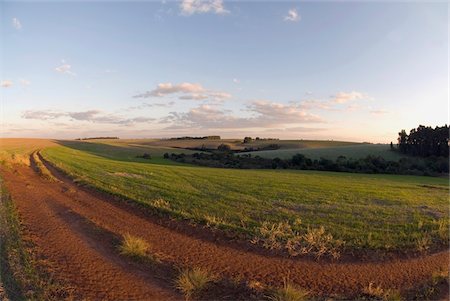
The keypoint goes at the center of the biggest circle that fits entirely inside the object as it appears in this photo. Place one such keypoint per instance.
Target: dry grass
(133, 246)
(289, 292)
(380, 293)
(314, 241)
(423, 242)
(192, 281)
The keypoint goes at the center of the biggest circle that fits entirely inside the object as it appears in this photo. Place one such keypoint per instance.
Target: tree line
(424, 141)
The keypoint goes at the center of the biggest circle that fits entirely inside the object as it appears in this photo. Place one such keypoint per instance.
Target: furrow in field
(77, 255)
(322, 278)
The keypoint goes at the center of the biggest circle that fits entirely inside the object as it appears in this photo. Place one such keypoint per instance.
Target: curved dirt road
(59, 217)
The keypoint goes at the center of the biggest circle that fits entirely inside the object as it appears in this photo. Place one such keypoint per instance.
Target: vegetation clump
(289, 292)
(192, 281)
(133, 246)
(314, 241)
(380, 293)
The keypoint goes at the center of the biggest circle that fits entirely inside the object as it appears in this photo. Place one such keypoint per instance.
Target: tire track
(322, 278)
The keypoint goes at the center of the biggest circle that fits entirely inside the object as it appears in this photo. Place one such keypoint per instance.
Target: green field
(366, 211)
(354, 151)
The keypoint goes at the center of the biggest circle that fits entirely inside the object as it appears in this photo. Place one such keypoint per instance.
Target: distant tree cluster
(93, 138)
(370, 164)
(424, 141)
(196, 138)
(250, 139)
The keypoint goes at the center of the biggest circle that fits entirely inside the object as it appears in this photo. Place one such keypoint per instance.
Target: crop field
(331, 152)
(366, 211)
(169, 230)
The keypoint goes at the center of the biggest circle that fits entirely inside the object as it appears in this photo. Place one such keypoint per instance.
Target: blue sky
(313, 70)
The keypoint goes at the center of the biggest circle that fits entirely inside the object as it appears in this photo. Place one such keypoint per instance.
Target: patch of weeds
(443, 231)
(161, 204)
(378, 293)
(192, 281)
(133, 246)
(433, 287)
(289, 292)
(423, 242)
(214, 221)
(314, 241)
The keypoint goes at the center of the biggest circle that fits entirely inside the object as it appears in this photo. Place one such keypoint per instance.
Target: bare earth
(76, 231)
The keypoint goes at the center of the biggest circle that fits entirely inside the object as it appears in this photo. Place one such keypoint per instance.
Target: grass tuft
(192, 281)
(289, 292)
(133, 246)
(381, 293)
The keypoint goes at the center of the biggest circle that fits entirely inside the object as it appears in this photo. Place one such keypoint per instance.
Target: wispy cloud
(16, 24)
(94, 116)
(65, 68)
(292, 15)
(192, 91)
(344, 97)
(190, 7)
(265, 114)
(6, 83)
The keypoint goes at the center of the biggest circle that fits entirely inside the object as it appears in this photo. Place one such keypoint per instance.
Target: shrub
(192, 281)
(289, 292)
(133, 246)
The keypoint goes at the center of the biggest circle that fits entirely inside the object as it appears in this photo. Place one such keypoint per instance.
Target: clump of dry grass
(192, 281)
(423, 242)
(381, 293)
(289, 292)
(314, 241)
(133, 246)
(214, 221)
(161, 203)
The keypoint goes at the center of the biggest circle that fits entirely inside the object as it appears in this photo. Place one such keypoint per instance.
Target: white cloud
(236, 81)
(65, 69)
(94, 116)
(16, 24)
(6, 83)
(265, 114)
(184, 91)
(344, 97)
(292, 15)
(190, 7)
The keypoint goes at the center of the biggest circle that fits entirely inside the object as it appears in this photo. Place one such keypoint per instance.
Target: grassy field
(354, 151)
(237, 144)
(366, 211)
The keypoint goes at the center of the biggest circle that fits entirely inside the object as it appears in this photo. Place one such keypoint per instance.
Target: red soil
(59, 219)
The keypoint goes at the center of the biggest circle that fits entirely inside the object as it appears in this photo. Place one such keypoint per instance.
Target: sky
(354, 71)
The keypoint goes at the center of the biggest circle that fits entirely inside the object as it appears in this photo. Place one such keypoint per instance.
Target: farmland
(241, 199)
(252, 219)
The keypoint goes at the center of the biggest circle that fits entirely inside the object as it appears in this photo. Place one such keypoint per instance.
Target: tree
(248, 139)
(402, 140)
(425, 141)
(224, 148)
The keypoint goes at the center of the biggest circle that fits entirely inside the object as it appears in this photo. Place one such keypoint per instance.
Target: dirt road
(68, 226)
